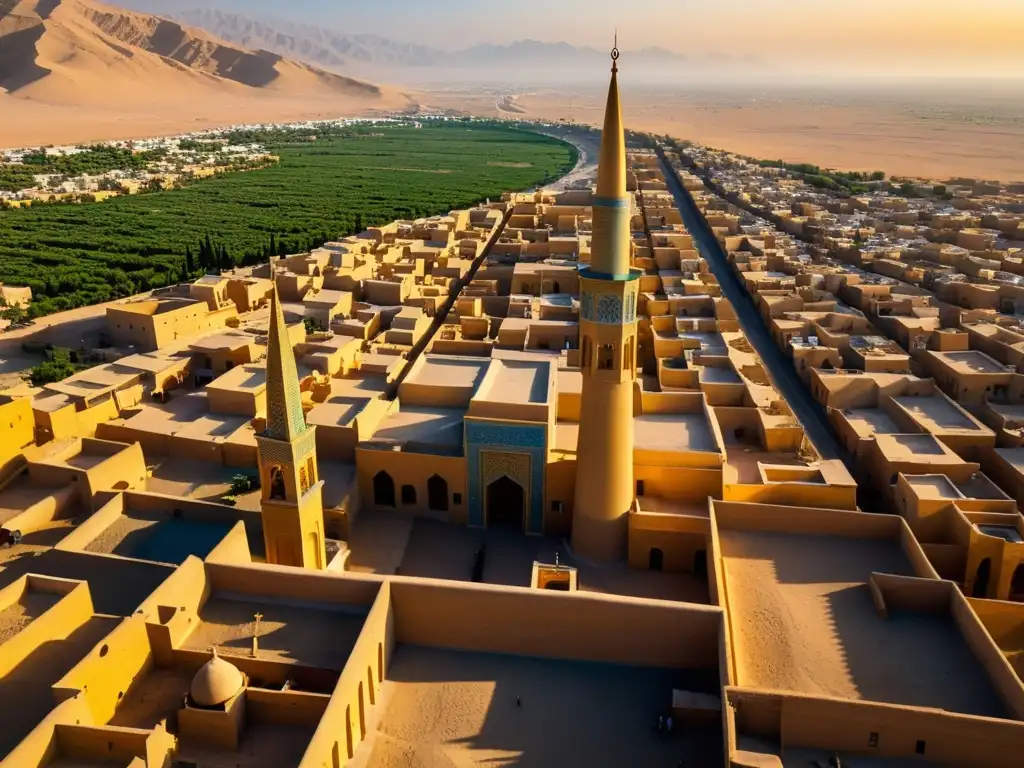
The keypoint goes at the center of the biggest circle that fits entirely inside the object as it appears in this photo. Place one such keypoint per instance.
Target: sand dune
(77, 70)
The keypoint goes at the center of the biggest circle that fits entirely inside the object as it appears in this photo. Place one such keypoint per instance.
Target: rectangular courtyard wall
(555, 625)
(838, 725)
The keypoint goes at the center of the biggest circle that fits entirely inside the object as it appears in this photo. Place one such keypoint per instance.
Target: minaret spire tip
(615, 52)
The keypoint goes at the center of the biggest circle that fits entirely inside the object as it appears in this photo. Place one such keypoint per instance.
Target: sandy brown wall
(268, 581)
(988, 654)
(416, 470)
(765, 517)
(344, 723)
(292, 707)
(110, 670)
(838, 725)
(556, 625)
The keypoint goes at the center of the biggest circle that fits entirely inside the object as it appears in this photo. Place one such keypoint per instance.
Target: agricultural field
(324, 188)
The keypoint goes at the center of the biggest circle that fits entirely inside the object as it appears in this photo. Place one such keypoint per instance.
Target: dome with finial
(216, 683)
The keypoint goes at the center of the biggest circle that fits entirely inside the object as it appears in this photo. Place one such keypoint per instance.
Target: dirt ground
(932, 134)
(15, 368)
(302, 635)
(16, 617)
(190, 479)
(125, 528)
(446, 708)
(391, 542)
(803, 620)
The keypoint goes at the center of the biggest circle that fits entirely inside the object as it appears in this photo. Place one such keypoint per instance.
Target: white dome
(216, 682)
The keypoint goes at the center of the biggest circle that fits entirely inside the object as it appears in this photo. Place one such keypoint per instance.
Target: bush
(13, 314)
(241, 484)
(56, 369)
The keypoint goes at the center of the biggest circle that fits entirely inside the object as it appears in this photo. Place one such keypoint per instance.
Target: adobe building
(146, 326)
(15, 296)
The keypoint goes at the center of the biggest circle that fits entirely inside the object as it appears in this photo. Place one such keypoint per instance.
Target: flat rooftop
(674, 432)
(336, 411)
(867, 422)
(743, 465)
(971, 361)
(517, 381)
(457, 708)
(243, 378)
(360, 386)
(916, 448)
(424, 426)
(933, 487)
(938, 414)
(803, 620)
(711, 374)
(224, 342)
(450, 371)
(192, 479)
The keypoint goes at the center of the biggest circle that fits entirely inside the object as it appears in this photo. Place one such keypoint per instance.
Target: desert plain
(932, 130)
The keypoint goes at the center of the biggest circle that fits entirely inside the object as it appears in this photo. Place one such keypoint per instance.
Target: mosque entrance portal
(505, 499)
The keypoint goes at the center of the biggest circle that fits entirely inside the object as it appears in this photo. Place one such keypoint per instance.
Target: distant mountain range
(82, 51)
(316, 45)
(378, 56)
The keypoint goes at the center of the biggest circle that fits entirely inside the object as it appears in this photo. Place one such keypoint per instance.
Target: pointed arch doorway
(505, 504)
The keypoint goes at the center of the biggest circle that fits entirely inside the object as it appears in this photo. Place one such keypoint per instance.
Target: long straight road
(780, 368)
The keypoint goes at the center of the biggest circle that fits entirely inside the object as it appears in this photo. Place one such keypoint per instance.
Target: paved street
(780, 368)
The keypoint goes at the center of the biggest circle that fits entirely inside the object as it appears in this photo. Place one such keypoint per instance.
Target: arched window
(408, 494)
(383, 490)
(437, 494)
(303, 482)
(277, 490)
(311, 470)
(585, 357)
(606, 357)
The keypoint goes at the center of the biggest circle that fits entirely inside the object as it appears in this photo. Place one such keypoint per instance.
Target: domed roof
(216, 682)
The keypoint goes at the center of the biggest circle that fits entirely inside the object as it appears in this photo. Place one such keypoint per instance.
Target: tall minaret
(608, 336)
(292, 503)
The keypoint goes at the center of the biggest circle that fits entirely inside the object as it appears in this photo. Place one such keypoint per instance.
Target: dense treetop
(328, 184)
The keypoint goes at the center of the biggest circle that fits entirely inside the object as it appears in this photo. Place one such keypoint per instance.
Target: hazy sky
(919, 36)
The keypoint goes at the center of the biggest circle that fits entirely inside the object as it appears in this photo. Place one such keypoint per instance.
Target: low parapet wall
(868, 728)
(823, 522)
(575, 626)
(71, 611)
